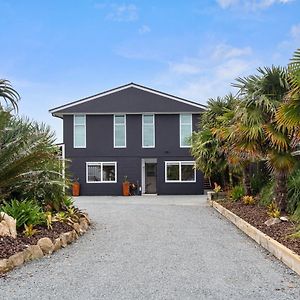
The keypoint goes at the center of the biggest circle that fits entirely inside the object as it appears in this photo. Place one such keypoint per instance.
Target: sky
(58, 51)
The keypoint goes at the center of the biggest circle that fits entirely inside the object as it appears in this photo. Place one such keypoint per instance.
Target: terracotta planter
(76, 189)
(125, 188)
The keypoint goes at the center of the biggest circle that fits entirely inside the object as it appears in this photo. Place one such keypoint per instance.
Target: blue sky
(58, 51)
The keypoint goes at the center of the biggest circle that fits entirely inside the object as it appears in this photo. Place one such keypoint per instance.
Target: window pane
(148, 136)
(187, 172)
(120, 136)
(148, 119)
(119, 119)
(186, 118)
(79, 119)
(109, 172)
(79, 136)
(172, 171)
(185, 134)
(94, 172)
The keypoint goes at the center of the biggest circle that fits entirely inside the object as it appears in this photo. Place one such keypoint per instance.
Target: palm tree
(258, 133)
(210, 143)
(10, 96)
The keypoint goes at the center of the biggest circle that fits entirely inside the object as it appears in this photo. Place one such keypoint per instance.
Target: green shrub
(237, 192)
(296, 215)
(26, 212)
(293, 192)
(267, 194)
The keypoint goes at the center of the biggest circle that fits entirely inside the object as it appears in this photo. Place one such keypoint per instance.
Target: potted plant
(76, 187)
(125, 186)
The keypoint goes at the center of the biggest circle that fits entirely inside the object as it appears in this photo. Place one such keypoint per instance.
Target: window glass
(172, 171)
(109, 172)
(187, 172)
(148, 131)
(180, 171)
(185, 130)
(94, 172)
(119, 119)
(79, 131)
(101, 172)
(119, 131)
(79, 119)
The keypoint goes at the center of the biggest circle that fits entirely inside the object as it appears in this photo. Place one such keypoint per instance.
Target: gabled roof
(75, 106)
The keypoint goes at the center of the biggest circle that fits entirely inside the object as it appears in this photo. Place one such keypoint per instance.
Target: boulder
(86, 216)
(4, 229)
(83, 224)
(46, 245)
(57, 244)
(33, 252)
(272, 221)
(10, 222)
(69, 237)
(76, 226)
(4, 267)
(16, 259)
(284, 219)
(63, 240)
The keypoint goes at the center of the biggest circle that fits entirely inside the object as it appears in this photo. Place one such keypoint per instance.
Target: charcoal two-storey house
(131, 132)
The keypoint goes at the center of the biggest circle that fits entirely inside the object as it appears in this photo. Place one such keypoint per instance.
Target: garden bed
(10, 246)
(256, 216)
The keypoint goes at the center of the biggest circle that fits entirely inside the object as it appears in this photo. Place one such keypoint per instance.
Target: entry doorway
(149, 176)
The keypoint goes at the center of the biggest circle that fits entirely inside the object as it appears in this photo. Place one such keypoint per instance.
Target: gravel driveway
(155, 248)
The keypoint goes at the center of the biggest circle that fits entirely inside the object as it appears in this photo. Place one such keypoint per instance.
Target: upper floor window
(79, 131)
(120, 131)
(148, 131)
(185, 130)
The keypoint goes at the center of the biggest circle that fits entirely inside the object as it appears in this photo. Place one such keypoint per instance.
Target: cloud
(250, 5)
(295, 32)
(120, 12)
(144, 29)
(209, 74)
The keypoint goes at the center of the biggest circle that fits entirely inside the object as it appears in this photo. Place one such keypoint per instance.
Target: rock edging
(45, 246)
(287, 256)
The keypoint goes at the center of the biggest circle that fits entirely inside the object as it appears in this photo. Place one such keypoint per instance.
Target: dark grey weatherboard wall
(131, 100)
(99, 147)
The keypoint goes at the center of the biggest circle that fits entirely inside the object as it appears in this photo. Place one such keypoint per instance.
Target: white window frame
(182, 123)
(153, 124)
(190, 162)
(74, 129)
(115, 115)
(97, 163)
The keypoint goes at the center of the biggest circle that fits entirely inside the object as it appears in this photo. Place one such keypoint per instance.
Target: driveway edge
(287, 256)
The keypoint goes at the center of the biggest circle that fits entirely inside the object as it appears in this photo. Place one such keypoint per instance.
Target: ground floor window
(180, 171)
(101, 172)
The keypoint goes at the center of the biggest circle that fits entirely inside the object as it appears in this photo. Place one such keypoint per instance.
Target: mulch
(256, 215)
(10, 246)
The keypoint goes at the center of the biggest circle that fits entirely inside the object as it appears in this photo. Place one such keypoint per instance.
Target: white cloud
(208, 74)
(120, 12)
(251, 5)
(144, 29)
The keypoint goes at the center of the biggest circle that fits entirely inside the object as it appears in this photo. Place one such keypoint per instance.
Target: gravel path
(155, 248)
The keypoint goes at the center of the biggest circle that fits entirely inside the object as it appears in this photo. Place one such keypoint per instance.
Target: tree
(258, 132)
(9, 95)
(210, 146)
